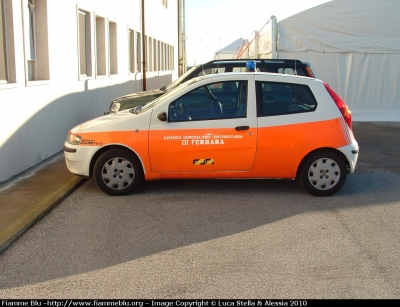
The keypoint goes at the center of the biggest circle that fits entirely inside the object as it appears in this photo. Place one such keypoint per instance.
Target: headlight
(74, 139)
(115, 107)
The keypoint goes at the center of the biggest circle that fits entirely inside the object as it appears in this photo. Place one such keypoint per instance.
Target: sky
(212, 25)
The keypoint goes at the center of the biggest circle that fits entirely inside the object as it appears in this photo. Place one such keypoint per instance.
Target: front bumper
(78, 158)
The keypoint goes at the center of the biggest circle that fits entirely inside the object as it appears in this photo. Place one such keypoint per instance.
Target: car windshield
(180, 79)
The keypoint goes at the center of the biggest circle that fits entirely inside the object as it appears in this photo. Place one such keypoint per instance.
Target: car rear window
(275, 98)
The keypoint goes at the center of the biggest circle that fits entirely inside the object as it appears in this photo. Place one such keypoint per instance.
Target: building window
(172, 58)
(163, 55)
(112, 27)
(84, 42)
(150, 57)
(3, 46)
(159, 56)
(7, 51)
(145, 57)
(101, 58)
(171, 55)
(138, 52)
(155, 54)
(131, 51)
(36, 39)
(168, 57)
(30, 39)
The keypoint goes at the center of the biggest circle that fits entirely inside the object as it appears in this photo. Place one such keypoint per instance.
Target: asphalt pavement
(26, 199)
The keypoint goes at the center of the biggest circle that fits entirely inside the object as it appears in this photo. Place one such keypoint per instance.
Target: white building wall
(37, 115)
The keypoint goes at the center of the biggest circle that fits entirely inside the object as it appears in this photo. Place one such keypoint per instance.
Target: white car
(232, 125)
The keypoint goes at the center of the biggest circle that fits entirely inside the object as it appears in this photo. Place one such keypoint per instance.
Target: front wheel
(118, 172)
(323, 173)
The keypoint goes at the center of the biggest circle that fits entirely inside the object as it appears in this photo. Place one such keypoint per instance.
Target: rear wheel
(118, 172)
(323, 173)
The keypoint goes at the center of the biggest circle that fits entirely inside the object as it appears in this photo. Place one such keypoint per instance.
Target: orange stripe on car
(267, 152)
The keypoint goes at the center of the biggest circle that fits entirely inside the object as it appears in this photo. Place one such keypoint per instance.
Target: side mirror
(162, 116)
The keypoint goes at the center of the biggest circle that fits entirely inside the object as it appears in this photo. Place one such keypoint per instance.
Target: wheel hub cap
(118, 173)
(324, 174)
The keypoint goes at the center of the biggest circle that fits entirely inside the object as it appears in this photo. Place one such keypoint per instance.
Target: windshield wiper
(136, 110)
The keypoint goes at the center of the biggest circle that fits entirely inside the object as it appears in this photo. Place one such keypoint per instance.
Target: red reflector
(344, 109)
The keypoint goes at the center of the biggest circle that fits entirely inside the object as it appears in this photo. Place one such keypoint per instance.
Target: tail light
(344, 109)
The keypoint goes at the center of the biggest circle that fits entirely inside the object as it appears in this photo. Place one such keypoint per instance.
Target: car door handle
(241, 128)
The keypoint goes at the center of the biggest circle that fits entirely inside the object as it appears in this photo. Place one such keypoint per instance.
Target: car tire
(323, 173)
(118, 172)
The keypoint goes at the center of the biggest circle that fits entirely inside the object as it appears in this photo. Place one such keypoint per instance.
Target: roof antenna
(201, 63)
(219, 49)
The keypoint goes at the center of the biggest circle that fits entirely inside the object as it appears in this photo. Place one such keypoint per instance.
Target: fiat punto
(233, 125)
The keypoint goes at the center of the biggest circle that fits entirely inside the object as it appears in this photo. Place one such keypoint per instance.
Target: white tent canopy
(359, 26)
(355, 47)
(229, 51)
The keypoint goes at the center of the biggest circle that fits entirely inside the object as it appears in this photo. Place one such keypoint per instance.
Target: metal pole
(184, 37)
(274, 38)
(144, 48)
(181, 38)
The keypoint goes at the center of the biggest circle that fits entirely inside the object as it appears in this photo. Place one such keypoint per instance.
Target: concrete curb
(28, 200)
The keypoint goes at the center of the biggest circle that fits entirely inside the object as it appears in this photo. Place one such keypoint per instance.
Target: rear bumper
(351, 152)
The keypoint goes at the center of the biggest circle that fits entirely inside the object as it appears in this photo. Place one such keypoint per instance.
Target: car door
(206, 128)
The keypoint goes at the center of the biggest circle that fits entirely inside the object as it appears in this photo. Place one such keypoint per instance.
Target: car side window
(275, 98)
(220, 100)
